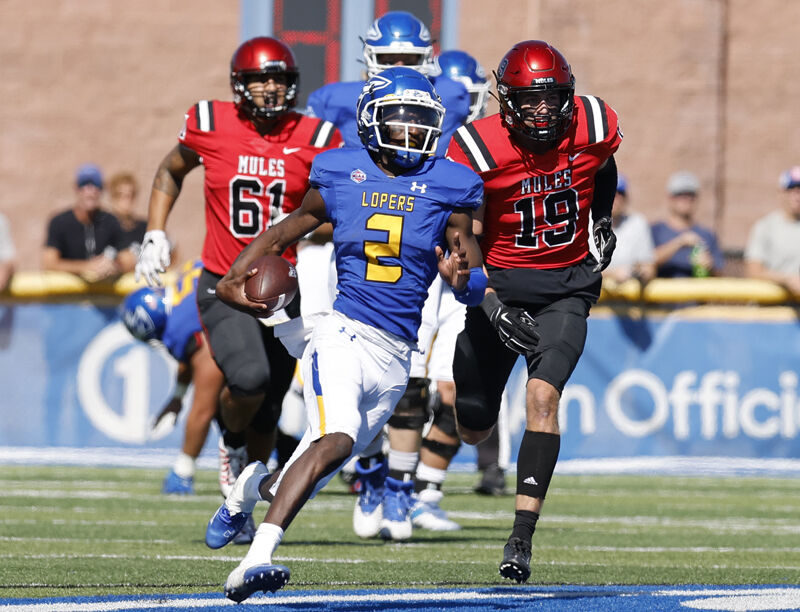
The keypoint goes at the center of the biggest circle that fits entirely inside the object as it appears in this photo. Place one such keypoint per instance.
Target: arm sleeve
(605, 188)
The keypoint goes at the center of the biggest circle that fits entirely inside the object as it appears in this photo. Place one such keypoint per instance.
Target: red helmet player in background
(257, 155)
(547, 162)
(255, 59)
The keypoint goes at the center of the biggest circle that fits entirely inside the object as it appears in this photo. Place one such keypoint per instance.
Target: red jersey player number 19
(547, 164)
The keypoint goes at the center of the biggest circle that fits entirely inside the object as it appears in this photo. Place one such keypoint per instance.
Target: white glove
(153, 258)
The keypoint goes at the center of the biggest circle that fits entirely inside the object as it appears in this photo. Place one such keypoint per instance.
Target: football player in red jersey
(257, 155)
(547, 163)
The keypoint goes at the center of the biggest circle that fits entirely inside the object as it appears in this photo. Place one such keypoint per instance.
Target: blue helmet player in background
(394, 208)
(394, 39)
(462, 67)
(145, 313)
(169, 316)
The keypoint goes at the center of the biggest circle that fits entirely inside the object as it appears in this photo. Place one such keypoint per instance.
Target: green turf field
(89, 531)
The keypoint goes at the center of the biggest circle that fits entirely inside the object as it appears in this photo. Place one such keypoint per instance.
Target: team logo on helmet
(501, 69)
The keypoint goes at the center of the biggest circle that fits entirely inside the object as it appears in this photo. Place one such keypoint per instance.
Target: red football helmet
(259, 56)
(535, 66)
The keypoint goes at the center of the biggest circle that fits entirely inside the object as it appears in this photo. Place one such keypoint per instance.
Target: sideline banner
(71, 375)
(674, 386)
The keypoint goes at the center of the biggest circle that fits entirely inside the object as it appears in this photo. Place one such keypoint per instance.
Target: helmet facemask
(243, 98)
(542, 128)
(380, 58)
(404, 128)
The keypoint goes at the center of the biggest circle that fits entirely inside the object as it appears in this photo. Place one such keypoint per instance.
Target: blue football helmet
(400, 114)
(462, 67)
(398, 33)
(144, 312)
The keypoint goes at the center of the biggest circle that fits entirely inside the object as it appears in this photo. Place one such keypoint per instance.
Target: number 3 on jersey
(374, 249)
(559, 214)
(247, 214)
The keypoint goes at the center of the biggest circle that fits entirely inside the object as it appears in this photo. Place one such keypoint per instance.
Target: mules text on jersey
(546, 182)
(254, 165)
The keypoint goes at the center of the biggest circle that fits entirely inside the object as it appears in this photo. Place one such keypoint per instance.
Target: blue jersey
(385, 230)
(336, 102)
(183, 320)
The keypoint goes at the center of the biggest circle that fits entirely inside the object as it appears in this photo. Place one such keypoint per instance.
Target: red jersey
(251, 181)
(536, 211)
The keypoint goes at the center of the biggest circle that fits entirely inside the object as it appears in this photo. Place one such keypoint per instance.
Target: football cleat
(243, 582)
(427, 514)
(248, 532)
(232, 516)
(231, 463)
(367, 514)
(493, 481)
(516, 564)
(396, 522)
(177, 485)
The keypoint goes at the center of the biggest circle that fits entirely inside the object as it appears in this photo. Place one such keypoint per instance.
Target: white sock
(184, 466)
(430, 474)
(402, 462)
(266, 540)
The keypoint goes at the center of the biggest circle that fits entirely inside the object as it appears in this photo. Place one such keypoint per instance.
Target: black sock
(371, 461)
(234, 440)
(401, 475)
(421, 485)
(524, 524)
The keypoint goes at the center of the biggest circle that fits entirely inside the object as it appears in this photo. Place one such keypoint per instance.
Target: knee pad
(411, 411)
(447, 451)
(248, 378)
(475, 414)
(444, 417)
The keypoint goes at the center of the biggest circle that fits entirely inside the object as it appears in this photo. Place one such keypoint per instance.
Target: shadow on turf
(540, 594)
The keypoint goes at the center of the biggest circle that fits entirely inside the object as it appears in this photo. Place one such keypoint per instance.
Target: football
(274, 284)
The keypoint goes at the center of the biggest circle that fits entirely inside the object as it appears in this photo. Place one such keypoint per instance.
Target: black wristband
(490, 303)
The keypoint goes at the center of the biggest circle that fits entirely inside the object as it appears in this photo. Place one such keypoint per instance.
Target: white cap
(683, 182)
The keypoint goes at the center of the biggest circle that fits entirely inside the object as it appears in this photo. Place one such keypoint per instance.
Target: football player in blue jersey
(169, 316)
(397, 38)
(394, 39)
(395, 208)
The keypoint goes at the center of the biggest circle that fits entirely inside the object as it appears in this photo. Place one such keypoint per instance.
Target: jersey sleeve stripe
(204, 110)
(597, 119)
(474, 148)
(322, 135)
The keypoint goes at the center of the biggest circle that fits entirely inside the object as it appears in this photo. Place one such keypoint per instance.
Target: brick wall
(706, 85)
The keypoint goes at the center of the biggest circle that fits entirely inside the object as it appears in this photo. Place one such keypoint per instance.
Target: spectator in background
(634, 256)
(122, 190)
(682, 247)
(773, 248)
(86, 240)
(7, 254)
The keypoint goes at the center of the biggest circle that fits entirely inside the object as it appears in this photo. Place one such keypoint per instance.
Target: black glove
(515, 327)
(605, 240)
